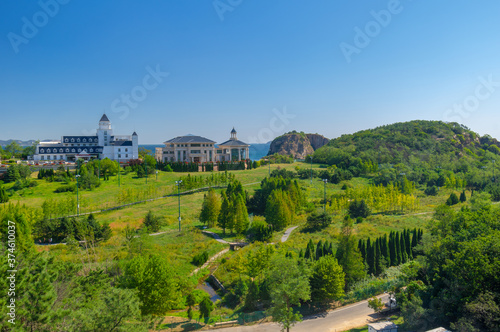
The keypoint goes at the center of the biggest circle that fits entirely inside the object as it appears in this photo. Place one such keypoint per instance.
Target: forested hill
(433, 142)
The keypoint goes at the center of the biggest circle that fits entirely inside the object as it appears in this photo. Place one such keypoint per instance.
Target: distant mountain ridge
(299, 145)
(22, 143)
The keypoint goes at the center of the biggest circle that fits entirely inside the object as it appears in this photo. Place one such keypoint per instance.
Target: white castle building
(102, 145)
(199, 149)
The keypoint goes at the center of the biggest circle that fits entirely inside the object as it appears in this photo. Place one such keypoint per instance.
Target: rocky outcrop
(299, 145)
(317, 140)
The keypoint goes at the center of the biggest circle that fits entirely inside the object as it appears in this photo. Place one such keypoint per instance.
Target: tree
(223, 219)
(452, 200)
(154, 279)
(239, 215)
(359, 209)
(463, 198)
(12, 174)
(109, 167)
(278, 211)
(4, 198)
(191, 302)
(376, 304)
(210, 208)
(348, 255)
(152, 222)
(327, 280)
(286, 290)
(318, 220)
(206, 307)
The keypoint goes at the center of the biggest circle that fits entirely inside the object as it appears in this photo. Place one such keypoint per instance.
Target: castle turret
(135, 146)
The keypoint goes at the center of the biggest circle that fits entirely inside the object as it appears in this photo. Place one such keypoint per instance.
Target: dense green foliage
(457, 283)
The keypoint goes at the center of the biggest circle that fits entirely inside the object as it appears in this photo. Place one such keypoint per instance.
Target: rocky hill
(299, 145)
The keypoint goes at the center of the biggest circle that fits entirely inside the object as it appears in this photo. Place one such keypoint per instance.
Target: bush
(200, 259)
(452, 200)
(431, 191)
(318, 220)
(260, 231)
(68, 188)
(359, 209)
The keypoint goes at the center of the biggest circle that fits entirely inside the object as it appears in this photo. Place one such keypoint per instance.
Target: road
(287, 233)
(341, 319)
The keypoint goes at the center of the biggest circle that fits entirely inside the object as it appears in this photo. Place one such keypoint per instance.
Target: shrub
(359, 209)
(68, 188)
(200, 259)
(431, 191)
(452, 200)
(318, 220)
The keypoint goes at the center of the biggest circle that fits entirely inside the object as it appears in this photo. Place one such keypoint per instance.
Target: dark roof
(233, 131)
(190, 139)
(122, 143)
(234, 142)
(79, 139)
(134, 134)
(104, 118)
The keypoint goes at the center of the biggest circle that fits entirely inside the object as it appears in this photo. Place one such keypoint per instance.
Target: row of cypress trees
(392, 250)
(313, 252)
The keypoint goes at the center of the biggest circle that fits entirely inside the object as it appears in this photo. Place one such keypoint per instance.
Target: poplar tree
(240, 215)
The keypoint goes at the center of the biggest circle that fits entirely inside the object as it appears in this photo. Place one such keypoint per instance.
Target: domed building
(198, 149)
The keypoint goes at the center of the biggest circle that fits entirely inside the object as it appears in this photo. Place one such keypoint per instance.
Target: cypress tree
(378, 257)
(309, 254)
(398, 249)
(370, 257)
(319, 250)
(408, 244)
(414, 239)
(385, 250)
(301, 253)
(362, 249)
(224, 215)
(326, 249)
(404, 255)
(392, 250)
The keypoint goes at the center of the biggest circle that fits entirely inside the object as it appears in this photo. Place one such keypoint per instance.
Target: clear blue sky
(244, 62)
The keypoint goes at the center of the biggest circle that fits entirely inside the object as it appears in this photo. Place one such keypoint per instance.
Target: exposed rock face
(298, 145)
(317, 141)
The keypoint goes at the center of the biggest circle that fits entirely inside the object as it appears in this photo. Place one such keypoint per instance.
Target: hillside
(299, 145)
(398, 143)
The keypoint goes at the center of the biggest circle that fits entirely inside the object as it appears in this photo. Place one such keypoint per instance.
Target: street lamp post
(178, 183)
(77, 197)
(324, 196)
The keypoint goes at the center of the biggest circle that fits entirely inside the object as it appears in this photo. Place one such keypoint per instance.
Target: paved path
(287, 233)
(220, 253)
(341, 319)
(216, 237)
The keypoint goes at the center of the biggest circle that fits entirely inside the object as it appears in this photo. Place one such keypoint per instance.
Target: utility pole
(77, 197)
(324, 196)
(178, 183)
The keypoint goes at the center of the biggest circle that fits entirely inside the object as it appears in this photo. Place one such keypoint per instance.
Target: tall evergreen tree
(319, 250)
(392, 249)
(348, 255)
(310, 254)
(408, 244)
(240, 215)
(414, 238)
(399, 258)
(4, 198)
(404, 255)
(224, 214)
(210, 208)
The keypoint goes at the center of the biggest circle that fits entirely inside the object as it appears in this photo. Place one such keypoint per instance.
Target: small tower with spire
(233, 135)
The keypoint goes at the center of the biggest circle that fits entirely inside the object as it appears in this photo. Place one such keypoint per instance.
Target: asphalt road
(341, 319)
